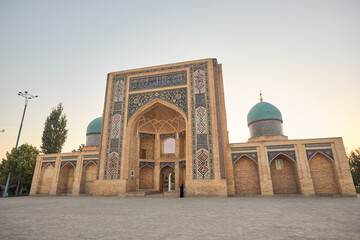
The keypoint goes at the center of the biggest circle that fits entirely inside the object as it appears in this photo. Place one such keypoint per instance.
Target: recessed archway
(46, 177)
(246, 176)
(146, 180)
(323, 174)
(167, 177)
(88, 176)
(66, 179)
(156, 122)
(284, 175)
(147, 144)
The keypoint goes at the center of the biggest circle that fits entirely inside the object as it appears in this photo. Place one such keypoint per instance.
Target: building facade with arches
(164, 127)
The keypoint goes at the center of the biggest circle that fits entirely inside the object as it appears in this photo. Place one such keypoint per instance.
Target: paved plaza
(87, 217)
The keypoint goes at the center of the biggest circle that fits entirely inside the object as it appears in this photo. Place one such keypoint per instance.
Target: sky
(303, 55)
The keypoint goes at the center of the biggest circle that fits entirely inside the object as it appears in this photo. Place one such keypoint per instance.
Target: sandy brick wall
(246, 176)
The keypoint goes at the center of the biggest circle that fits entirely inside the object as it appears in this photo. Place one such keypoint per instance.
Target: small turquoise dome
(263, 111)
(94, 126)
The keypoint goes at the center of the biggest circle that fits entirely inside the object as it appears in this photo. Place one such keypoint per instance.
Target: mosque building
(164, 127)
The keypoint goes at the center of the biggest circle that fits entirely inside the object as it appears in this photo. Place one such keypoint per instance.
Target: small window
(169, 146)
(279, 164)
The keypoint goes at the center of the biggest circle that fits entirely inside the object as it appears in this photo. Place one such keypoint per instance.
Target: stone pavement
(87, 217)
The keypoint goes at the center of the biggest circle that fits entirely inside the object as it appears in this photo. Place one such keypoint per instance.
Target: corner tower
(164, 121)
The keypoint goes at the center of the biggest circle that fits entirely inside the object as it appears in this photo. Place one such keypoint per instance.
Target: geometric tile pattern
(151, 164)
(202, 152)
(198, 71)
(203, 164)
(112, 166)
(63, 163)
(177, 97)
(201, 125)
(43, 164)
(199, 77)
(49, 158)
(119, 88)
(274, 154)
(158, 81)
(115, 129)
(251, 155)
(326, 152)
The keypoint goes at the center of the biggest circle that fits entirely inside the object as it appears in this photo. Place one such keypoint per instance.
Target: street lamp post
(27, 97)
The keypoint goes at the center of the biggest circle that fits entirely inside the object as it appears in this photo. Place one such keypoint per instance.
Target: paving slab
(87, 217)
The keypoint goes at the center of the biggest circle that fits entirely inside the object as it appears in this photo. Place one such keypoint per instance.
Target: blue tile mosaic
(177, 97)
(239, 149)
(147, 134)
(326, 152)
(43, 164)
(69, 157)
(251, 155)
(274, 154)
(90, 156)
(280, 146)
(163, 164)
(167, 134)
(182, 163)
(63, 163)
(317, 145)
(151, 164)
(86, 162)
(158, 81)
(49, 158)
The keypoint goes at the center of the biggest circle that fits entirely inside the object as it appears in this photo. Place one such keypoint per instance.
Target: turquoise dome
(94, 126)
(263, 111)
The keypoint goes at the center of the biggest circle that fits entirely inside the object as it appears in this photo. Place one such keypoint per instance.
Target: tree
(55, 132)
(21, 163)
(354, 162)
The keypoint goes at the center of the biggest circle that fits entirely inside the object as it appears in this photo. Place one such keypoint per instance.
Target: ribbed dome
(94, 126)
(263, 111)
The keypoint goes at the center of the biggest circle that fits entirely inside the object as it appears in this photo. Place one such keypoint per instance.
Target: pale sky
(303, 55)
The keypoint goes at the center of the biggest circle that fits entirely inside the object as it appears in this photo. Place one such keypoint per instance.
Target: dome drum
(265, 127)
(93, 132)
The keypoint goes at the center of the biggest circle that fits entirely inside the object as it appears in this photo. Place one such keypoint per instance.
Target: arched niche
(157, 117)
(323, 174)
(246, 176)
(166, 178)
(66, 179)
(45, 179)
(88, 176)
(284, 175)
(147, 146)
(146, 180)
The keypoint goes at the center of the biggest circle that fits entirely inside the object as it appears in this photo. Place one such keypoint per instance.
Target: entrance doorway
(167, 179)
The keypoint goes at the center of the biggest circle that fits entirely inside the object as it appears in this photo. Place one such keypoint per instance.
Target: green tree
(354, 162)
(55, 132)
(21, 163)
